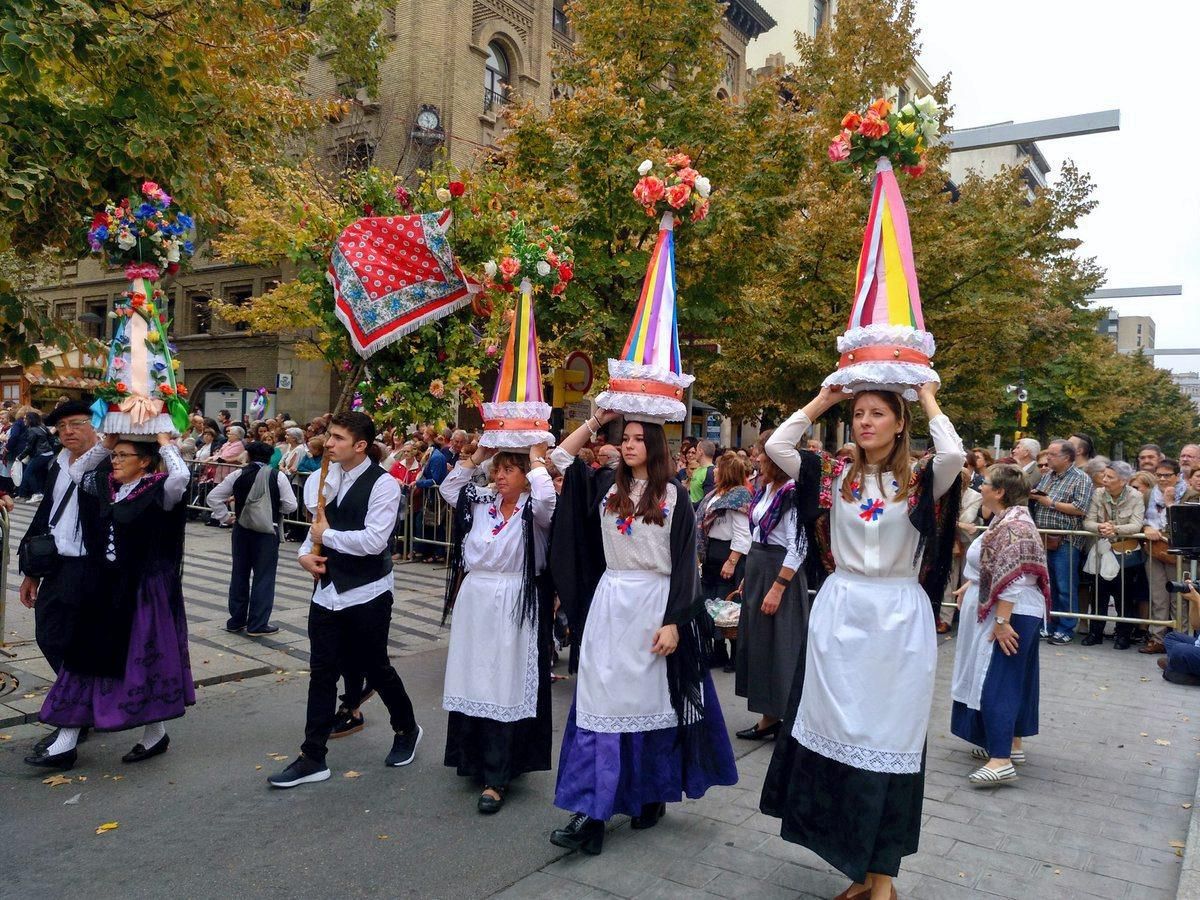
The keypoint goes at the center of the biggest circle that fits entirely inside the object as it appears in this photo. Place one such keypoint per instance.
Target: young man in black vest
(352, 602)
(55, 594)
(254, 539)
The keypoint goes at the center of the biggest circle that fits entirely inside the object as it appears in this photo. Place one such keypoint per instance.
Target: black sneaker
(234, 629)
(347, 723)
(266, 631)
(1060, 639)
(301, 771)
(404, 747)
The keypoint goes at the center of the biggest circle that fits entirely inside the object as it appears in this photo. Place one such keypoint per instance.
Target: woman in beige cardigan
(1116, 514)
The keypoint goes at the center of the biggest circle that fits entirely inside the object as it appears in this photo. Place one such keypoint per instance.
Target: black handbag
(38, 555)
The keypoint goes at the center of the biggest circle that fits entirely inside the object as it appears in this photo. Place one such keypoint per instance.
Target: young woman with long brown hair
(848, 777)
(645, 727)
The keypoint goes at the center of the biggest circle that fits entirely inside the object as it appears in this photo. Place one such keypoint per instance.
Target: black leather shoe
(1091, 640)
(651, 813)
(1121, 643)
(754, 733)
(489, 804)
(582, 833)
(43, 760)
(139, 753)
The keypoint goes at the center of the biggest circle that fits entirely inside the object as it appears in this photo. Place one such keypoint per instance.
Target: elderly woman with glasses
(1004, 597)
(1116, 514)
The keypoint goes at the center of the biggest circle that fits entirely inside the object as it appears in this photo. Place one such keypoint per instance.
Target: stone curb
(1189, 876)
(251, 672)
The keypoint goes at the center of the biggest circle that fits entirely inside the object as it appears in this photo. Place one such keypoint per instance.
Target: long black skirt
(494, 753)
(770, 648)
(857, 821)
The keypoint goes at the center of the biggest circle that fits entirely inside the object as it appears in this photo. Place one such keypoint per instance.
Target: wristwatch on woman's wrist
(1000, 620)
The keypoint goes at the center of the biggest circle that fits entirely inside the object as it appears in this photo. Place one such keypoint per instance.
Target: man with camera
(1182, 662)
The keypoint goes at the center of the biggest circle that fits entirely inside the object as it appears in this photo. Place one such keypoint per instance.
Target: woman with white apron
(848, 781)
(497, 687)
(995, 687)
(645, 727)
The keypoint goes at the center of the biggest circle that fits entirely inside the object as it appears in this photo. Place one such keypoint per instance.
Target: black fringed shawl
(935, 520)
(577, 562)
(464, 518)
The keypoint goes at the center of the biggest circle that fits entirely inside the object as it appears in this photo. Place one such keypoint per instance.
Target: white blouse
(734, 526)
(495, 544)
(784, 533)
(870, 535)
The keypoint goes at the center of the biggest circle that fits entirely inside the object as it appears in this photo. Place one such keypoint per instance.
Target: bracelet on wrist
(781, 581)
(588, 424)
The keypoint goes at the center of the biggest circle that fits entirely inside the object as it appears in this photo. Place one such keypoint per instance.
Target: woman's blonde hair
(899, 461)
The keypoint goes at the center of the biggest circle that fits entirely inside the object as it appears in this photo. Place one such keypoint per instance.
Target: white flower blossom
(490, 268)
(908, 110)
(927, 106)
(443, 195)
(126, 240)
(543, 268)
(173, 253)
(703, 186)
(645, 167)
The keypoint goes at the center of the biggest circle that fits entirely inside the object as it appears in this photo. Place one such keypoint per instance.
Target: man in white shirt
(255, 549)
(55, 595)
(1025, 453)
(351, 607)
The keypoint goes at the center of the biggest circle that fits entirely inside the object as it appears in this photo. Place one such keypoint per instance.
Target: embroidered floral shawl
(1011, 548)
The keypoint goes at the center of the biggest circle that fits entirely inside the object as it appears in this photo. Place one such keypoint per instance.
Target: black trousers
(1127, 590)
(352, 641)
(57, 607)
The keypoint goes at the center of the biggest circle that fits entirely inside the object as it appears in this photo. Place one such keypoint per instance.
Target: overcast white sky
(1021, 60)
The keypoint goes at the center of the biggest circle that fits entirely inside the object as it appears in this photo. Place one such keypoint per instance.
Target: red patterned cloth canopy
(393, 274)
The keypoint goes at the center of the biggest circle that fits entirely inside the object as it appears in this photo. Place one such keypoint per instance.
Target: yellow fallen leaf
(1179, 845)
(382, 837)
(1162, 743)
(352, 774)
(1186, 805)
(56, 780)
(5, 737)
(108, 826)
(1058, 871)
(118, 778)
(1143, 734)
(256, 768)
(81, 778)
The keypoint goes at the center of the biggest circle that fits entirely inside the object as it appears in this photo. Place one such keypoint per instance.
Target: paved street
(1109, 787)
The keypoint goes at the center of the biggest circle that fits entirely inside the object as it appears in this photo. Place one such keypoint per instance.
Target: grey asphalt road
(200, 821)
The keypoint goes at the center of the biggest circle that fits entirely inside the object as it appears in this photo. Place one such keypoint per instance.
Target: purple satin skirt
(157, 683)
(601, 774)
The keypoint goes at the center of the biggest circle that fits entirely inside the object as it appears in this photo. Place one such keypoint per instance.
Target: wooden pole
(347, 392)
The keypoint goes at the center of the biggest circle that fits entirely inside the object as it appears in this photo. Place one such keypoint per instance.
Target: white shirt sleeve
(287, 496)
(452, 485)
(785, 531)
(948, 454)
(373, 537)
(87, 462)
(313, 482)
(219, 497)
(781, 446)
(542, 496)
(178, 476)
(561, 458)
(739, 522)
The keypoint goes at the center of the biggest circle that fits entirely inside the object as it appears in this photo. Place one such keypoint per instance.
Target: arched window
(495, 78)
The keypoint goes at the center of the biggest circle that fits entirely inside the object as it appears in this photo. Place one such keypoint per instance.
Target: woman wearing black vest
(352, 600)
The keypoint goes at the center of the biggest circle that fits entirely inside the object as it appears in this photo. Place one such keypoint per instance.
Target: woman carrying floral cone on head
(848, 779)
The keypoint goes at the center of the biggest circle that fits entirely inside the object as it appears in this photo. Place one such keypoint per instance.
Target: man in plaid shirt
(1060, 501)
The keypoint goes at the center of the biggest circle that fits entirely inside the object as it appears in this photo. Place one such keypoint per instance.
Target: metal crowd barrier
(1179, 622)
(423, 525)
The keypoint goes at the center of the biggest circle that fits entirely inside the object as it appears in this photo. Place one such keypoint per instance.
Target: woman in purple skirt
(128, 664)
(645, 727)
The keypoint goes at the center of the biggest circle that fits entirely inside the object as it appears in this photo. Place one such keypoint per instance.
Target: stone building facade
(450, 68)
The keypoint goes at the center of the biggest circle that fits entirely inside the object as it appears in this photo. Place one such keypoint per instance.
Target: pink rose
(678, 195)
(509, 267)
(918, 170)
(873, 126)
(679, 160)
(688, 176)
(150, 188)
(700, 211)
(839, 150)
(649, 190)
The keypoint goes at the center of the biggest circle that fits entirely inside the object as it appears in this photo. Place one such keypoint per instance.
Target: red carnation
(457, 189)
(566, 272)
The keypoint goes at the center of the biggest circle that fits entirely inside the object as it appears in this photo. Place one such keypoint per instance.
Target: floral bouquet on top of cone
(682, 188)
(541, 255)
(900, 137)
(147, 235)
